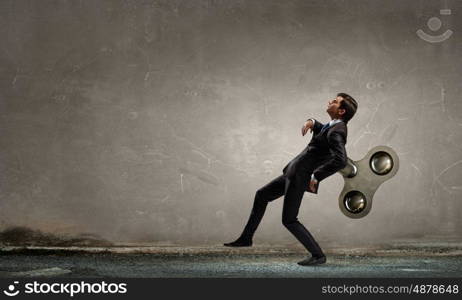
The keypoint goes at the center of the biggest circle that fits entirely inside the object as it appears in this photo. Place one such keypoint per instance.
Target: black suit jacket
(323, 156)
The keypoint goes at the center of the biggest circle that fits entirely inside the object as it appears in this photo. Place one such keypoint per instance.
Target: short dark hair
(350, 106)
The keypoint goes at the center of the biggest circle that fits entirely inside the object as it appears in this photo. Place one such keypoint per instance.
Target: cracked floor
(148, 265)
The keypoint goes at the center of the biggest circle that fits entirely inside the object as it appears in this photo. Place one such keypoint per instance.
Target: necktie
(325, 126)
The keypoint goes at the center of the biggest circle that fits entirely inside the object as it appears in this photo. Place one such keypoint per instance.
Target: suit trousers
(293, 190)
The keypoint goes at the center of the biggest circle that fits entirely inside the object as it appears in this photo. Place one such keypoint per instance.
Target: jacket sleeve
(317, 126)
(338, 159)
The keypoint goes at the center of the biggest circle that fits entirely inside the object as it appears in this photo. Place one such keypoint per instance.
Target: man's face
(333, 108)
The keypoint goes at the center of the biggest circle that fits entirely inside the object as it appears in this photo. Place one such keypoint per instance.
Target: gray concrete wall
(156, 121)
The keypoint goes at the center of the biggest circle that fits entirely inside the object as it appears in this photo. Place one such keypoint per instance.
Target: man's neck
(333, 118)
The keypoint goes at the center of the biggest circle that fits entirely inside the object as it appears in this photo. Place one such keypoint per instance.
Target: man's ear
(341, 111)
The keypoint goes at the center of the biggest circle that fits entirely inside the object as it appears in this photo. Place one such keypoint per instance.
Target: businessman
(324, 156)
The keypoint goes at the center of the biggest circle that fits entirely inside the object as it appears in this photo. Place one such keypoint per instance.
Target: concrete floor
(221, 262)
(147, 265)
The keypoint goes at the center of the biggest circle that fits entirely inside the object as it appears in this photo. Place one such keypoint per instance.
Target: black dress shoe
(312, 261)
(239, 243)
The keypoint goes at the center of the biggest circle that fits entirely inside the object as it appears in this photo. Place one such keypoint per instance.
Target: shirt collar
(334, 121)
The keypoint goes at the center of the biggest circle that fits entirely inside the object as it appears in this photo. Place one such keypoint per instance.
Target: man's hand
(312, 185)
(308, 125)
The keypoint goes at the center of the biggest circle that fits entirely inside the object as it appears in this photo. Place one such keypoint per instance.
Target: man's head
(342, 107)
